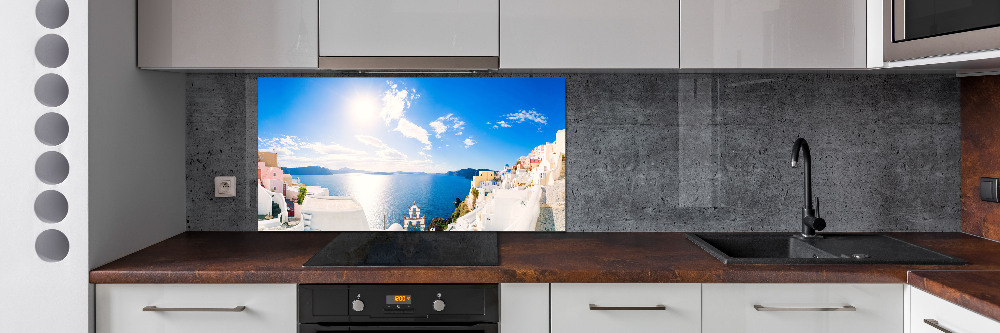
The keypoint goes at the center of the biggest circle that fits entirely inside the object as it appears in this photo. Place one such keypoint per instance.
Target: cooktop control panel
(405, 302)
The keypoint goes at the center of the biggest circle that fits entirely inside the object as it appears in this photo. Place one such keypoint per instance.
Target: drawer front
(572, 311)
(730, 308)
(269, 308)
(949, 316)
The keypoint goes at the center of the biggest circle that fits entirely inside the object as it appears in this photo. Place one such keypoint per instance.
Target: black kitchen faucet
(810, 222)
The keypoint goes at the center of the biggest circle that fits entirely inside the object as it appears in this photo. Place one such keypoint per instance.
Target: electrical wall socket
(225, 186)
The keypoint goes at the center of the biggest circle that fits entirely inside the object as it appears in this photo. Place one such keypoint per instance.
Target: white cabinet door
(951, 317)
(269, 308)
(227, 34)
(774, 34)
(409, 28)
(626, 307)
(524, 308)
(589, 34)
(794, 308)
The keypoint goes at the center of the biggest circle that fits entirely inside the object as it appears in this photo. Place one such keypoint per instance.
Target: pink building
(272, 178)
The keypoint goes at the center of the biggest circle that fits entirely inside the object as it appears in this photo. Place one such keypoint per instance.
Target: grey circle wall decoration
(51, 206)
(52, 167)
(52, 245)
(51, 129)
(51, 50)
(52, 13)
(51, 90)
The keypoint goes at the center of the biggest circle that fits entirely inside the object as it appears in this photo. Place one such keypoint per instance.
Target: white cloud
(395, 102)
(391, 154)
(438, 127)
(501, 124)
(469, 142)
(531, 115)
(441, 124)
(411, 130)
(459, 133)
(371, 141)
(425, 155)
(331, 148)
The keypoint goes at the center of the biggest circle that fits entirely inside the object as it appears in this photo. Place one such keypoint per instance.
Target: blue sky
(407, 124)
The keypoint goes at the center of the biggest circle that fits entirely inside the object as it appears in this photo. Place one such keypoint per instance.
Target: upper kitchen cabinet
(409, 34)
(780, 34)
(584, 34)
(221, 34)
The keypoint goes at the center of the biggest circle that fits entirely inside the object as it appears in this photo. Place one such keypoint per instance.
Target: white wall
(37, 295)
(125, 126)
(137, 187)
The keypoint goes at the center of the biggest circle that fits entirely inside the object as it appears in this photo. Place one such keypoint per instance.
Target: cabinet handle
(935, 324)
(759, 307)
(629, 308)
(233, 309)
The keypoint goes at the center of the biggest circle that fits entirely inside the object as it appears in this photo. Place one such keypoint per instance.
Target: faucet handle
(817, 206)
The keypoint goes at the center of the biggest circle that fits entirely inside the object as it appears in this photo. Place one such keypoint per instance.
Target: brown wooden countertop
(978, 291)
(277, 257)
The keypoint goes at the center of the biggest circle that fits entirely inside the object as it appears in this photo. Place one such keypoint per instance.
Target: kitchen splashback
(681, 152)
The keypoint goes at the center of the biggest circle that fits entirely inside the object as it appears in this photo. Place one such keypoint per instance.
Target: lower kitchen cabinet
(626, 307)
(930, 314)
(524, 308)
(196, 308)
(802, 308)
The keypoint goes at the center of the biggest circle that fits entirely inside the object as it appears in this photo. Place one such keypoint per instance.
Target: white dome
(395, 227)
(263, 200)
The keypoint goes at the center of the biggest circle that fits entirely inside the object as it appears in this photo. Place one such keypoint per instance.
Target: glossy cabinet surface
(730, 308)
(269, 308)
(227, 34)
(951, 317)
(524, 307)
(773, 34)
(642, 307)
(589, 34)
(409, 28)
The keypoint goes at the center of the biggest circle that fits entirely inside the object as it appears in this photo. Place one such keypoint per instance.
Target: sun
(364, 108)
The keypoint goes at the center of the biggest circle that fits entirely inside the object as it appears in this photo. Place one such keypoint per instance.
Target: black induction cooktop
(409, 248)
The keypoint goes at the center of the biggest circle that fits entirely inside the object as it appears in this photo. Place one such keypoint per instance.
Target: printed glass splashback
(411, 154)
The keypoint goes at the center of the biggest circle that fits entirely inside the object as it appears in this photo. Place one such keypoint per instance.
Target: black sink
(787, 248)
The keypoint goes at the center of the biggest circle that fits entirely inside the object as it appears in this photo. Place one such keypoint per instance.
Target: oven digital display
(397, 299)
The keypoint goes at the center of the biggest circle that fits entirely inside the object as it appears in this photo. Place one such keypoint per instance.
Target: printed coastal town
(528, 195)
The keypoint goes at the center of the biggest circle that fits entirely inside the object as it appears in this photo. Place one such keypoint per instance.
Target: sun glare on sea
(364, 108)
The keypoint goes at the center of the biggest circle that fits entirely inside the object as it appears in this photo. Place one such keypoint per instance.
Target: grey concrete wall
(684, 152)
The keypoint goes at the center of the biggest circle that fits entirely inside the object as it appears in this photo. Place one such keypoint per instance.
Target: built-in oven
(388, 308)
(927, 28)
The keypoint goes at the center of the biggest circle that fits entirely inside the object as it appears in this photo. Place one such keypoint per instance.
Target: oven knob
(358, 305)
(438, 305)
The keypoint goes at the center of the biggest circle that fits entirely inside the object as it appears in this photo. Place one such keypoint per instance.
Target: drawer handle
(759, 307)
(935, 324)
(233, 309)
(627, 308)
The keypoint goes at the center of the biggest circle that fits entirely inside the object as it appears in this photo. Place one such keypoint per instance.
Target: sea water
(387, 198)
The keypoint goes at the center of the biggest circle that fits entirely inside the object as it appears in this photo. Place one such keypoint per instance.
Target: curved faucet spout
(803, 146)
(810, 222)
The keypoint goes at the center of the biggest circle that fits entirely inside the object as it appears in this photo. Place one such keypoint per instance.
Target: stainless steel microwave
(927, 28)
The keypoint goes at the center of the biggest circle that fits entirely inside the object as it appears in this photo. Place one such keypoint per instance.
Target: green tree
(475, 196)
(439, 223)
(302, 194)
(462, 209)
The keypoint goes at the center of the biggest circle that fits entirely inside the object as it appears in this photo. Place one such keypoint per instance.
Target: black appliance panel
(472, 328)
(467, 303)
